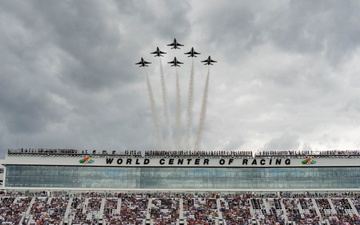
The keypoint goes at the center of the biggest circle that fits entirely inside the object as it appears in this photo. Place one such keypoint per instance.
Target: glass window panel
(200, 178)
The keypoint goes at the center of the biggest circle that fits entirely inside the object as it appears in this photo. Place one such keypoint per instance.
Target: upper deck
(182, 170)
(152, 158)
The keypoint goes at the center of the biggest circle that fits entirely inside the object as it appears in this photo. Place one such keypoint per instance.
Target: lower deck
(179, 208)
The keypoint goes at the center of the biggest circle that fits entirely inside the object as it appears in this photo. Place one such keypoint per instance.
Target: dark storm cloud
(285, 71)
(99, 43)
(68, 70)
(94, 49)
(25, 105)
(25, 110)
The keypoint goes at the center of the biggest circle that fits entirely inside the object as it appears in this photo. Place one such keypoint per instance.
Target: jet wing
(158, 52)
(175, 44)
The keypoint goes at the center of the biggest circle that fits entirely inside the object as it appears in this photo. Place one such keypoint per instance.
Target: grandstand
(182, 170)
(110, 208)
(68, 186)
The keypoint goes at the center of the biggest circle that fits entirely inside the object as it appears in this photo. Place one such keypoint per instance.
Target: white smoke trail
(155, 116)
(165, 104)
(178, 114)
(190, 106)
(202, 114)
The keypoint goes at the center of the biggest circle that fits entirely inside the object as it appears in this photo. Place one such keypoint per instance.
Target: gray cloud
(285, 142)
(286, 77)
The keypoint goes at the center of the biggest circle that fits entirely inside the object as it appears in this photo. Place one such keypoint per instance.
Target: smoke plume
(202, 113)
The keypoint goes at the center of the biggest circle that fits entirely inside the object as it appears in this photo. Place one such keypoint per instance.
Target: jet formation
(175, 62)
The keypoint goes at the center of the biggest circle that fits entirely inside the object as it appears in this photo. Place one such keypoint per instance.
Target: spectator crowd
(179, 208)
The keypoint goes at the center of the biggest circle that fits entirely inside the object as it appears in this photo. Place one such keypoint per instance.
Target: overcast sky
(287, 74)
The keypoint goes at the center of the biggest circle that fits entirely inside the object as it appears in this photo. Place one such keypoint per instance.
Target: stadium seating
(179, 208)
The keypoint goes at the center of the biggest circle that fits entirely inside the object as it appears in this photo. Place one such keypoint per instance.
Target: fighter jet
(175, 44)
(208, 61)
(158, 53)
(192, 53)
(142, 63)
(175, 62)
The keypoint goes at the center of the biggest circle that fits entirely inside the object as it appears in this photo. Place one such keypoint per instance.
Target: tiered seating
(276, 214)
(308, 211)
(171, 209)
(236, 209)
(133, 209)
(325, 208)
(93, 209)
(292, 209)
(48, 210)
(8, 211)
(77, 211)
(38, 211)
(164, 210)
(111, 210)
(259, 209)
(344, 212)
(356, 202)
(200, 209)
(20, 207)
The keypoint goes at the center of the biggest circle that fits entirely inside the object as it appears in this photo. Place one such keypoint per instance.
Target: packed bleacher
(134, 208)
(165, 209)
(92, 208)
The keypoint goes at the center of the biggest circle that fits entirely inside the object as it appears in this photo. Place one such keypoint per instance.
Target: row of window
(227, 178)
